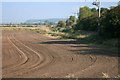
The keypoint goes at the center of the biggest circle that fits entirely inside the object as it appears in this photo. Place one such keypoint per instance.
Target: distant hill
(53, 20)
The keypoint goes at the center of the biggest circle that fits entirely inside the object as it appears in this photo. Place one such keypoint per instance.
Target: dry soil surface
(33, 55)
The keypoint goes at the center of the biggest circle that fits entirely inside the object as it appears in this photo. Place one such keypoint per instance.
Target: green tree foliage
(88, 24)
(93, 10)
(72, 18)
(110, 23)
(84, 12)
(61, 24)
(88, 19)
(67, 22)
(103, 10)
(70, 21)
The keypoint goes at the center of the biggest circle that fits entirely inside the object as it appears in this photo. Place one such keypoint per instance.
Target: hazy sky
(57, 0)
(17, 12)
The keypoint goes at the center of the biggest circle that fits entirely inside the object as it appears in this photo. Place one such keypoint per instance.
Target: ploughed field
(33, 55)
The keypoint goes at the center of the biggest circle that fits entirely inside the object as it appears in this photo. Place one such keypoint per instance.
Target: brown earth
(33, 55)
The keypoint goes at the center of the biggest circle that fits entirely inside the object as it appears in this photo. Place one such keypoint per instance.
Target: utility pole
(97, 3)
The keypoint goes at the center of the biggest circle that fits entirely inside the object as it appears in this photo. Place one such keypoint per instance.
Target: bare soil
(33, 55)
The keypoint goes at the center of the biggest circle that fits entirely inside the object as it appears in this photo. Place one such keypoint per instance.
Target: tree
(103, 10)
(61, 24)
(72, 18)
(87, 19)
(70, 21)
(84, 12)
(88, 24)
(67, 22)
(110, 23)
(94, 10)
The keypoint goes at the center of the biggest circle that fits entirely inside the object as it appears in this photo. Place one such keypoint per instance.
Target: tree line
(88, 20)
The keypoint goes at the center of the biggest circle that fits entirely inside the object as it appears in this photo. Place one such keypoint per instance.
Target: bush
(61, 24)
